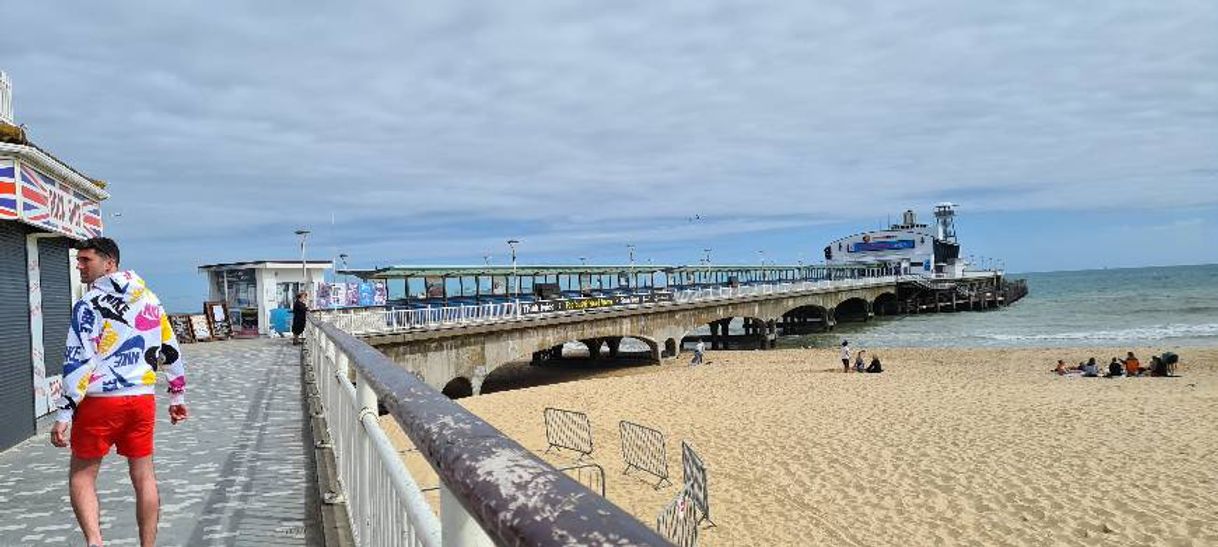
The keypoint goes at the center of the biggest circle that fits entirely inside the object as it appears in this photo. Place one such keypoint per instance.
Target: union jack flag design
(8, 188)
(52, 204)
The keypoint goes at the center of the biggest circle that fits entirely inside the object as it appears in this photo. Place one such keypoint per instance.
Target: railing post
(365, 396)
(342, 364)
(458, 528)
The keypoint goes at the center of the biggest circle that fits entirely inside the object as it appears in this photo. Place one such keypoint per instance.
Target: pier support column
(476, 381)
(614, 344)
(773, 336)
(594, 347)
(827, 320)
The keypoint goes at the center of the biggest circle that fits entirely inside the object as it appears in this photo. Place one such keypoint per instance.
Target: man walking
(119, 338)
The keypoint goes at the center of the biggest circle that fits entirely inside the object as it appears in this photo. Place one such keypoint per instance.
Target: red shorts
(100, 422)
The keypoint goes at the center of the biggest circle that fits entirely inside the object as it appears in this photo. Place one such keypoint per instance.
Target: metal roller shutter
(56, 300)
(16, 371)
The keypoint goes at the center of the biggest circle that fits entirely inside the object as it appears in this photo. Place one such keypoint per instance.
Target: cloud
(581, 122)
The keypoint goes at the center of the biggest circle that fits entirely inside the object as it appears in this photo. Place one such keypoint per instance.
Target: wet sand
(948, 446)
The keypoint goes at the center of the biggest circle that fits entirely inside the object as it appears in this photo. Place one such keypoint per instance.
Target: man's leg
(82, 489)
(147, 500)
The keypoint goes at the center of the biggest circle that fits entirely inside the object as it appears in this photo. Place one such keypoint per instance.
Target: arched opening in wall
(885, 304)
(458, 388)
(803, 320)
(568, 362)
(853, 309)
(670, 348)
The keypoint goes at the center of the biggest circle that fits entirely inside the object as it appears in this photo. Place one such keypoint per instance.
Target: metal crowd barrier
(381, 320)
(678, 521)
(492, 490)
(694, 472)
(590, 475)
(643, 449)
(568, 429)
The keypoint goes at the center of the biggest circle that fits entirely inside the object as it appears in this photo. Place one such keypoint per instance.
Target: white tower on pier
(945, 217)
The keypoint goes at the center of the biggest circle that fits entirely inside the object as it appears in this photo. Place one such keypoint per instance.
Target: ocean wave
(1155, 332)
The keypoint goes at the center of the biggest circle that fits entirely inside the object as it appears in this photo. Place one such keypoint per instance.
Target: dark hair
(101, 245)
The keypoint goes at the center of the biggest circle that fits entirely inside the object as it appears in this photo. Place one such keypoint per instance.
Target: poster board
(199, 328)
(380, 293)
(180, 323)
(217, 319)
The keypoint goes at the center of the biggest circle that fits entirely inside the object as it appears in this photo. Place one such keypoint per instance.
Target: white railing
(385, 321)
(389, 507)
(492, 490)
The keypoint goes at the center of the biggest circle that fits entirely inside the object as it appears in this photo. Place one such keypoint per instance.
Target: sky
(1073, 135)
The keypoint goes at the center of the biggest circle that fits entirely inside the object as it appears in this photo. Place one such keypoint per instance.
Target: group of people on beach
(860, 361)
(1129, 366)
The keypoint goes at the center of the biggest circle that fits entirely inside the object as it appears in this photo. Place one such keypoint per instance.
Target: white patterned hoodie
(120, 337)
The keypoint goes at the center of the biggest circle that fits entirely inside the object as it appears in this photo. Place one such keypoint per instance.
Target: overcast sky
(407, 132)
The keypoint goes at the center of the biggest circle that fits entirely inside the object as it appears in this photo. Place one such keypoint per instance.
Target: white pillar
(46, 390)
(458, 528)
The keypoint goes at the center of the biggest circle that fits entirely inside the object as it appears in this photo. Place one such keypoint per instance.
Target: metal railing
(492, 490)
(388, 321)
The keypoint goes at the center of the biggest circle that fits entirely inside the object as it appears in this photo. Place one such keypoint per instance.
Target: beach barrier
(643, 449)
(678, 521)
(568, 429)
(591, 475)
(694, 472)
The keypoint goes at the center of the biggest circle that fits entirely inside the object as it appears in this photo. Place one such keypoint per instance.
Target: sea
(1161, 307)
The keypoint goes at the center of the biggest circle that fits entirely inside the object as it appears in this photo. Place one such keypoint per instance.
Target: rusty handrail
(514, 496)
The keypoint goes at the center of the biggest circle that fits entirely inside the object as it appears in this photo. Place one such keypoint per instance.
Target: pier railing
(371, 321)
(492, 490)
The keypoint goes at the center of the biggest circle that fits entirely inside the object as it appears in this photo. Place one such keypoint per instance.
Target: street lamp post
(304, 270)
(633, 280)
(515, 278)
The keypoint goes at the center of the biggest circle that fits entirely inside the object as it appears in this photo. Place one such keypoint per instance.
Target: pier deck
(236, 473)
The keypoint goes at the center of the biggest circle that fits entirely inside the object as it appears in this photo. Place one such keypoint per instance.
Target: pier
(455, 347)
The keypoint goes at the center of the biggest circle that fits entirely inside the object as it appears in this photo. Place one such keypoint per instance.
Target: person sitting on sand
(875, 367)
(845, 356)
(1091, 370)
(1133, 367)
(859, 361)
(1061, 368)
(1115, 369)
(1157, 366)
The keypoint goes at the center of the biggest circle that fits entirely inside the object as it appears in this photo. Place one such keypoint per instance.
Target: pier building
(45, 205)
(253, 289)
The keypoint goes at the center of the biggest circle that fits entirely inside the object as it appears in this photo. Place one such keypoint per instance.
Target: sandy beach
(948, 446)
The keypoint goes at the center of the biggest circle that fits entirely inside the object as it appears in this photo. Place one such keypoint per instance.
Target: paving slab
(238, 472)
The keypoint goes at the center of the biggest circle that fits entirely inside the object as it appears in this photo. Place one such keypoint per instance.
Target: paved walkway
(236, 473)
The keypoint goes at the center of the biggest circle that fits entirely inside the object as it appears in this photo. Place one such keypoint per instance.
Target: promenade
(236, 473)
